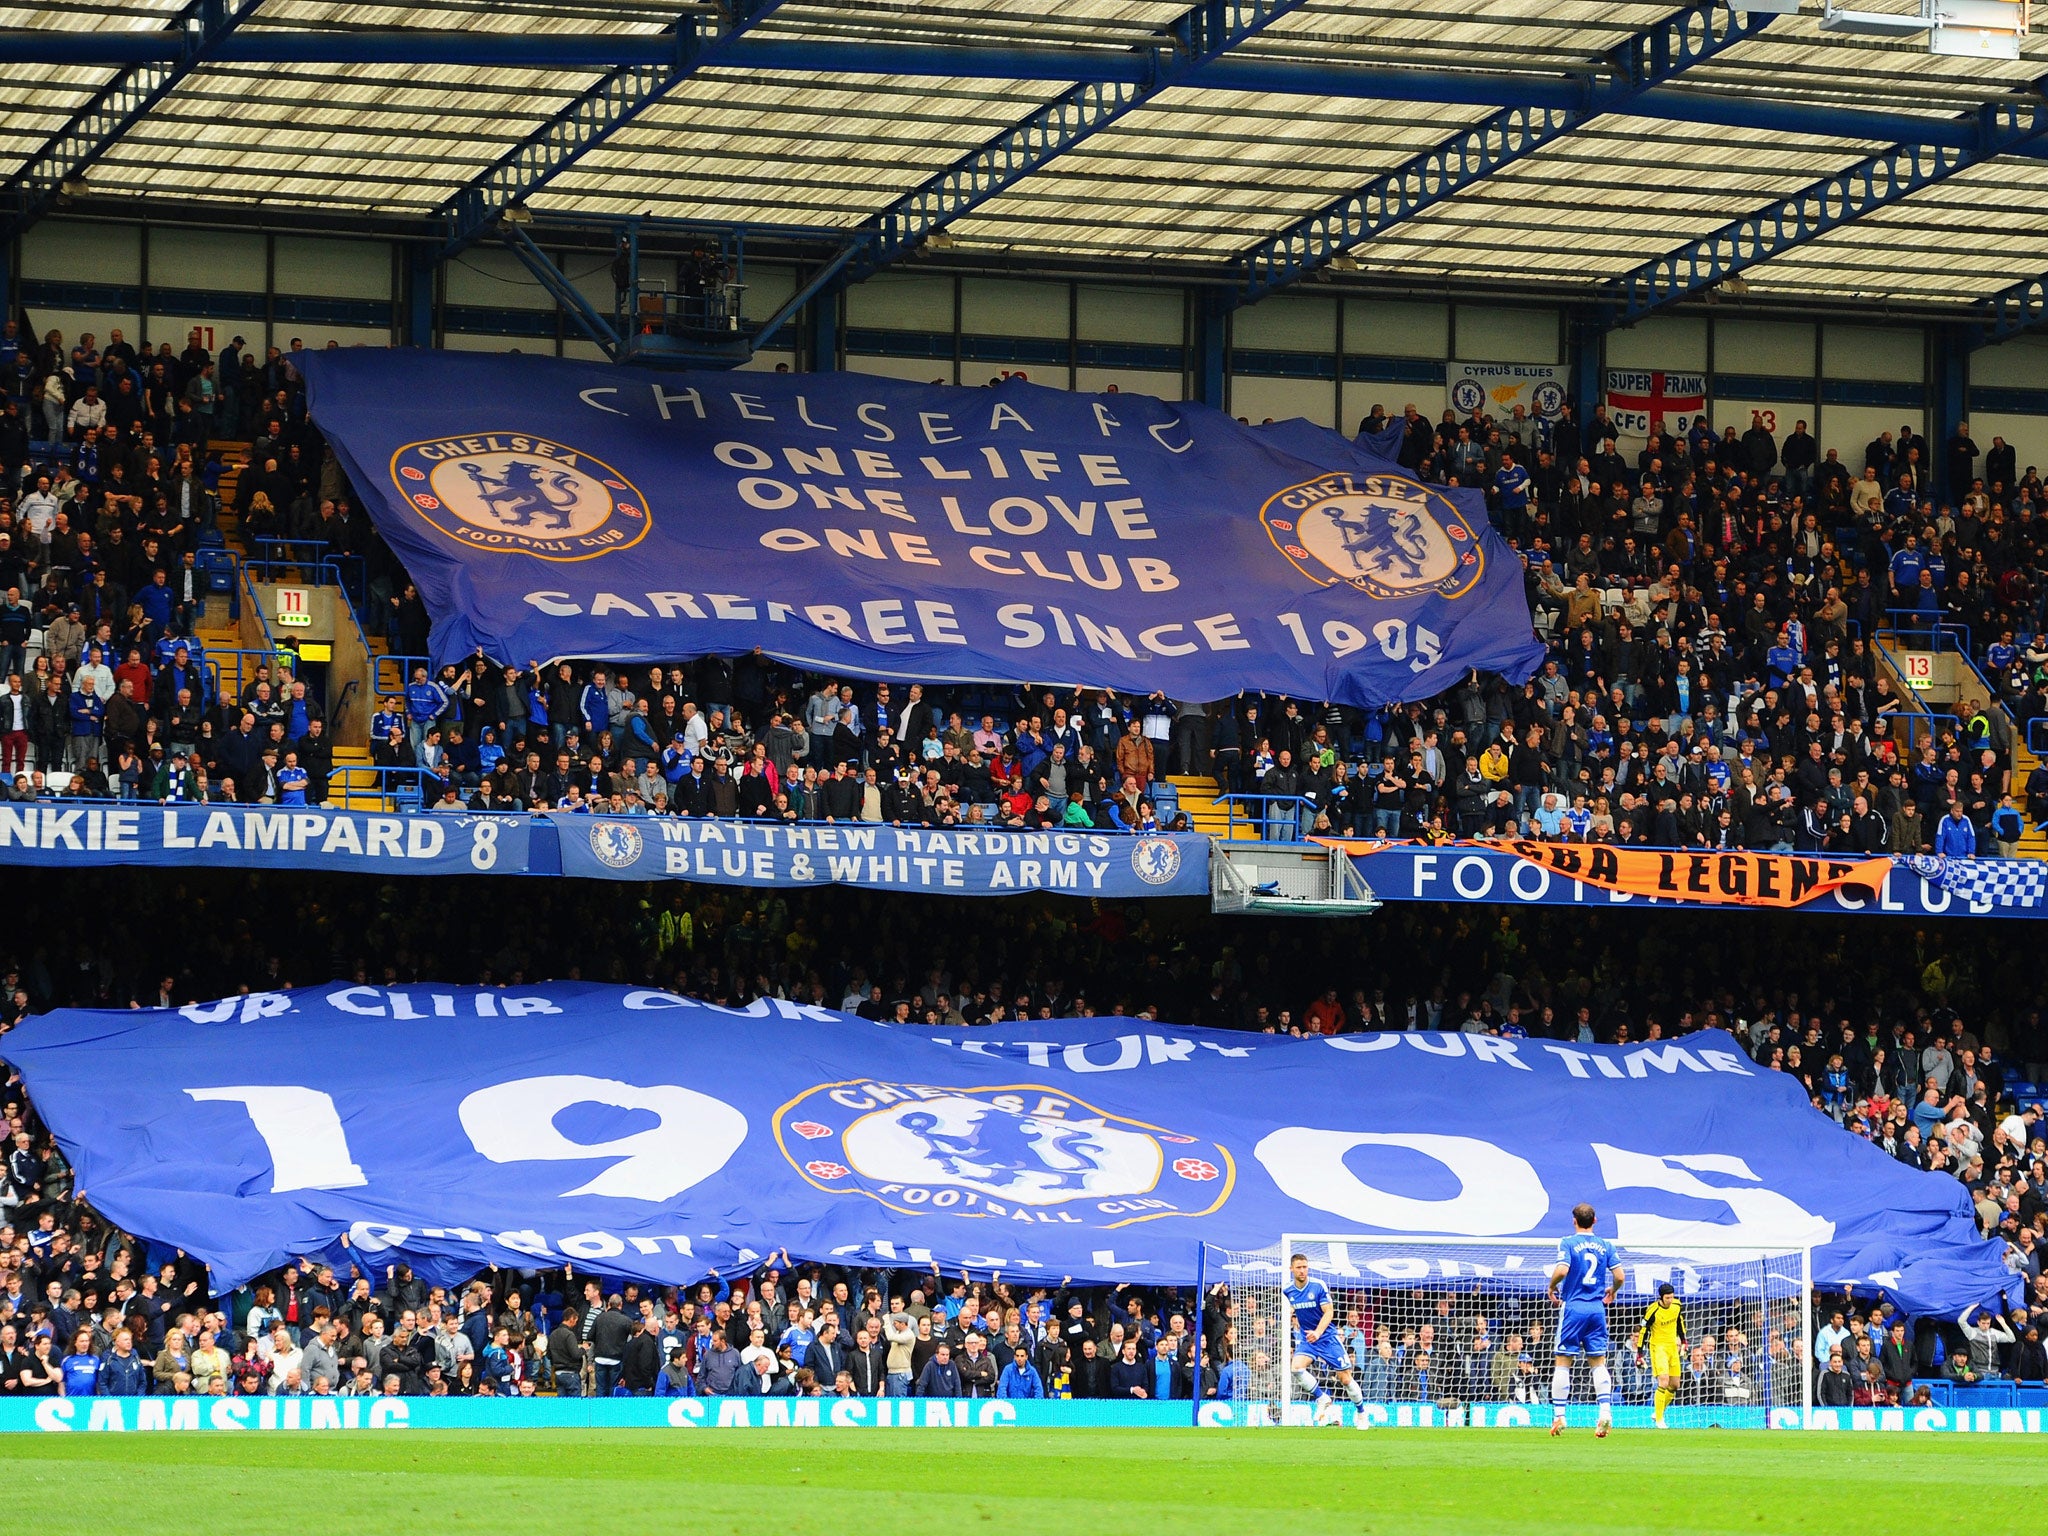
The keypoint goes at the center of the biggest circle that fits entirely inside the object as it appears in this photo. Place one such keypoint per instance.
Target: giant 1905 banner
(639, 1133)
(556, 509)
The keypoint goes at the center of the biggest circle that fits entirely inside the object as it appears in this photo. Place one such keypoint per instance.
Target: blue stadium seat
(1940, 1390)
(219, 569)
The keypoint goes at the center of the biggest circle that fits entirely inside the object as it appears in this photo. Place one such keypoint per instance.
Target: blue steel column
(1588, 339)
(422, 277)
(822, 325)
(1951, 401)
(1212, 347)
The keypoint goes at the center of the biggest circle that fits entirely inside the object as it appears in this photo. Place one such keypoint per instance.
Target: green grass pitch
(1076, 1482)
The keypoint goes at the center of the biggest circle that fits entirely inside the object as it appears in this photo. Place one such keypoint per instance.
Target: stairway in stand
(1198, 799)
(357, 799)
(217, 634)
(2034, 842)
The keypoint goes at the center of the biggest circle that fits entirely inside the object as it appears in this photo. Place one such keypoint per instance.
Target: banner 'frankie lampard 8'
(639, 1133)
(555, 509)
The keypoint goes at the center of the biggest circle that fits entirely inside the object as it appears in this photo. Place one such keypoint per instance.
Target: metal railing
(1271, 818)
(1927, 624)
(401, 789)
(1947, 635)
(311, 563)
(273, 558)
(394, 680)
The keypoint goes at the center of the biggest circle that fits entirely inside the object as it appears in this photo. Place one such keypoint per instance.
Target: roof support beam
(592, 118)
(1885, 178)
(2010, 312)
(1651, 57)
(1200, 36)
(583, 314)
(556, 52)
(97, 126)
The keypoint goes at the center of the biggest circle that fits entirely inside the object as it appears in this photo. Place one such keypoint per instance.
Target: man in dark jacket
(941, 1377)
(827, 1355)
(608, 1336)
(867, 1362)
(1088, 1372)
(565, 1355)
(641, 1360)
(1895, 1359)
(978, 1373)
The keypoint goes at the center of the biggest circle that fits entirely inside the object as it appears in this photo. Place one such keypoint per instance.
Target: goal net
(1462, 1331)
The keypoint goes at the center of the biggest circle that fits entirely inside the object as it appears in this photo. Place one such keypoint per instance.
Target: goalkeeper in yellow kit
(1663, 1330)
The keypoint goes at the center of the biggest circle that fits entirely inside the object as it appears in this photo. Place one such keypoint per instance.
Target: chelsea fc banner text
(551, 509)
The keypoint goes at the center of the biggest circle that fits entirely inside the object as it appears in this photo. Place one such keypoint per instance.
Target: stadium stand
(1726, 619)
(1935, 1079)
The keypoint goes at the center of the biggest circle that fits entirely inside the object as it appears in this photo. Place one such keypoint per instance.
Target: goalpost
(1461, 1330)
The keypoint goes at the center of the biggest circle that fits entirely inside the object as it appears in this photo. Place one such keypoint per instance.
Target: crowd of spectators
(1914, 1048)
(1713, 608)
(1711, 613)
(109, 498)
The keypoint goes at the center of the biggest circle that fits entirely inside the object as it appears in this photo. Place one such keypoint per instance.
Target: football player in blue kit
(1583, 1281)
(1318, 1352)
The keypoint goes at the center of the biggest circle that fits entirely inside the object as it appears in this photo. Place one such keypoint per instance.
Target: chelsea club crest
(1385, 535)
(1155, 860)
(521, 494)
(616, 844)
(1019, 1152)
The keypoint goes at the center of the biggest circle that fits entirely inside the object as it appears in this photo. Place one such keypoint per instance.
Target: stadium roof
(1207, 133)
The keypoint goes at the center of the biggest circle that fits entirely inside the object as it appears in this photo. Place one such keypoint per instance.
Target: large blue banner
(640, 1133)
(949, 860)
(71, 834)
(556, 509)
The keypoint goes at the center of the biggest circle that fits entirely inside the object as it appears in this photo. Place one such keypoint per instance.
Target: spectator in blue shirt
(1956, 837)
(1906, 566)
(1020, 1378)
(81, 1368)
(424, 700)
(291, 781)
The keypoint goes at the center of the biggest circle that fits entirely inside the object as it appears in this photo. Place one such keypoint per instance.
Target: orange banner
(1728, 879)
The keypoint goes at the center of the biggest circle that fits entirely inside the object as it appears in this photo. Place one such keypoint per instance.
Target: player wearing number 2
(1583, 1281)
(1318, 1352)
